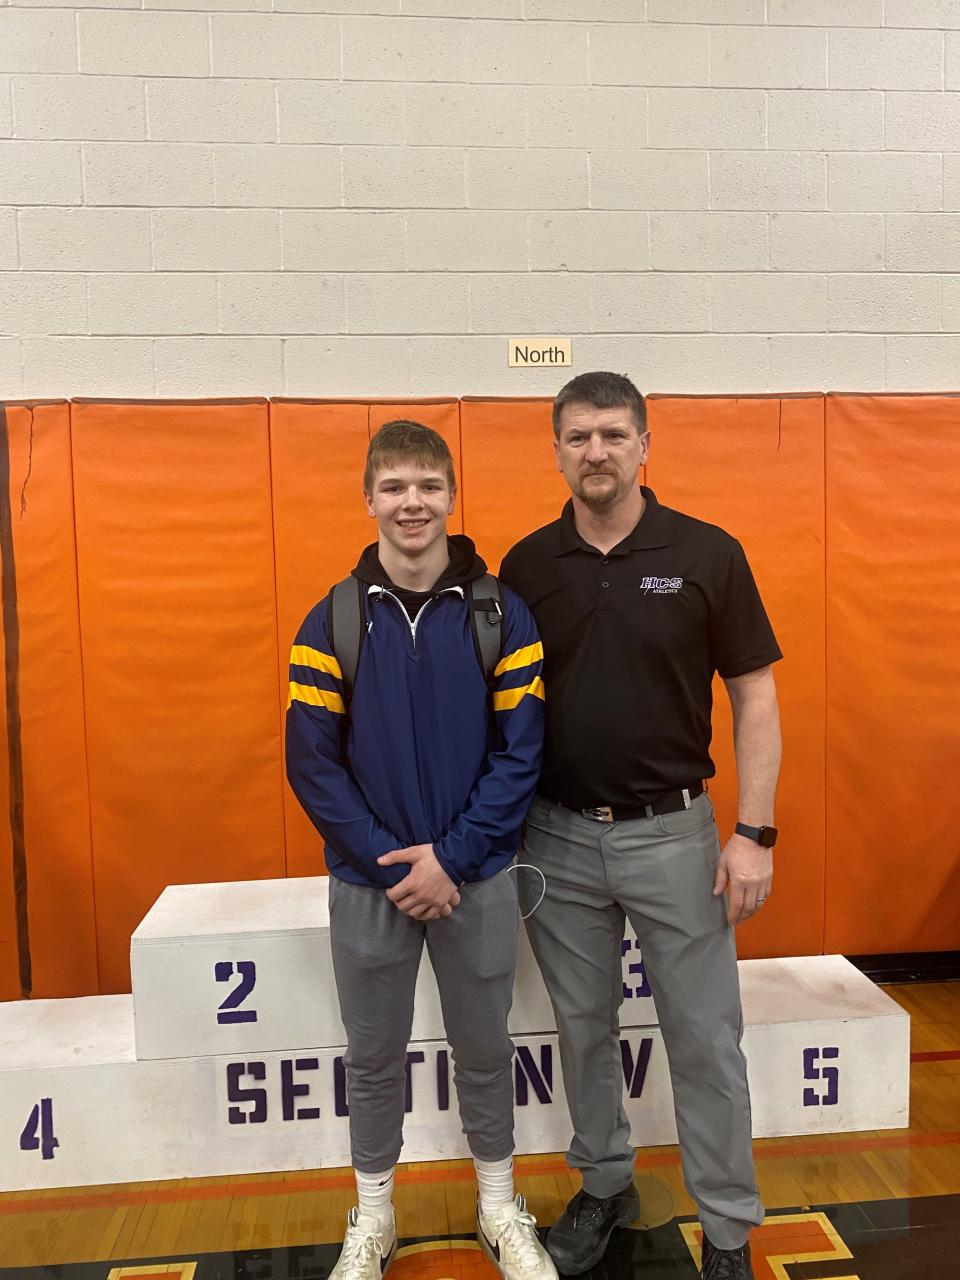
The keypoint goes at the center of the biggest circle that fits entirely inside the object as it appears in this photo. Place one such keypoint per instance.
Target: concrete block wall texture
(368, 197)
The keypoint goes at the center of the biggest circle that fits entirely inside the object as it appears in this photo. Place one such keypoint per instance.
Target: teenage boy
(418, 777)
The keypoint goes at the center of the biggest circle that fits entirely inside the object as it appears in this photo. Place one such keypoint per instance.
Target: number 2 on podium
(229, 1011)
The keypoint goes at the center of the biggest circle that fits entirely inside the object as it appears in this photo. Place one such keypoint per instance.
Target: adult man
(418, 778)
(638, 605)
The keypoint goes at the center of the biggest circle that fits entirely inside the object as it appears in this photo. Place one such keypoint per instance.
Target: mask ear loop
(543, 892)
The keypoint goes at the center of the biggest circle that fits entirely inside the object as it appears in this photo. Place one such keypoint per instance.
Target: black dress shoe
(726, 1264)
(578, 1239)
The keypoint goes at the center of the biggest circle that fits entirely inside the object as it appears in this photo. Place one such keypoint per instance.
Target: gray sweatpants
(658, 873)
(376, 954)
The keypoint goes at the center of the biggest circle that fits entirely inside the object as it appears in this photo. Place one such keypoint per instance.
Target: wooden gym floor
(862, 1206)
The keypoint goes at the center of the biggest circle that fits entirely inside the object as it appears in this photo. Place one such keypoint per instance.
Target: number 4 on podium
(41, 1117)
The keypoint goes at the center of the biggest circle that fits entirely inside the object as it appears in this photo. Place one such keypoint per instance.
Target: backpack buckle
(491, 609)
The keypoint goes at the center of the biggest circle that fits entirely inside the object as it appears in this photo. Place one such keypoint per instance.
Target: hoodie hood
(465, 566)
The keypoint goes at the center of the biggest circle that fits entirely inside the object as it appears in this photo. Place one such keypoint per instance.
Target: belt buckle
(600, 813)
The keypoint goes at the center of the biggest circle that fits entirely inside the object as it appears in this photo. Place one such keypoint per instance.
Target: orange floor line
(341, 1180)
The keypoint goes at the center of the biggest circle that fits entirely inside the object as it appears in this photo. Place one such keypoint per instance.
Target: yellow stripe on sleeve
(314, 697)
(507, 699)
(524, 657)
(301, 655)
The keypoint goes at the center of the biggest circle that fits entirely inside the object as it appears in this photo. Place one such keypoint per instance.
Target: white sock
(495, 1183)
(375, 1195)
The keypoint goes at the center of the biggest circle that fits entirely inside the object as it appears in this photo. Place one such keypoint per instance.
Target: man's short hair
(603, 391)
(405, 441)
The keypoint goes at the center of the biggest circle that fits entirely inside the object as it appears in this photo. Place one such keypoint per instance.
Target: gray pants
(658, 873)
(376, 954)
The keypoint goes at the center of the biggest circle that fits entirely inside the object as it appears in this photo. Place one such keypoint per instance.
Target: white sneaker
(368, 1248)
(509, 1239)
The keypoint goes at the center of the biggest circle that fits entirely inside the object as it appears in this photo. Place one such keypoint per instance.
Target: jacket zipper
(426, 605)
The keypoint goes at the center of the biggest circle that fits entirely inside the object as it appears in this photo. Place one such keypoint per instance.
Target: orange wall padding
(56, 795)
(10, 982)
(893, 673)
(14, 950)
(179, 633)
(511, 482)
(57, 889)
(318, 448)
(755, 467)
(169, 551)
(317, 452)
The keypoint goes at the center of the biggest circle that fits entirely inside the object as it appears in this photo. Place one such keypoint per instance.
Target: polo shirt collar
(651, 530)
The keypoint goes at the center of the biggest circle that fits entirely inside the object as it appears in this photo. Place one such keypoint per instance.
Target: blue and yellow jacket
(417, 761)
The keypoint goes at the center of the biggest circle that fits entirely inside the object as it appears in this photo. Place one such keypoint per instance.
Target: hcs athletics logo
(661, 586)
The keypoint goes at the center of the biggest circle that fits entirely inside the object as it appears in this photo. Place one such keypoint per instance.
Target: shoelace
(727, 1264)
(518, 1234)
(588, 1207)
(358, 1248)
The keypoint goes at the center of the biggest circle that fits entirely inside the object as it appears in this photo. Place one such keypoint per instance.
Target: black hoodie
(464, 566)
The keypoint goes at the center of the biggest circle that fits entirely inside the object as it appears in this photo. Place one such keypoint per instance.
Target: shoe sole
(570, 1269)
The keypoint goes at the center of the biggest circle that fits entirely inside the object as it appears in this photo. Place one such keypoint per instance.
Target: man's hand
(746, 870)
(427, 893)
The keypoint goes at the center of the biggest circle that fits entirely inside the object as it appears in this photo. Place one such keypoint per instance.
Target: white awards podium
(227, 1058)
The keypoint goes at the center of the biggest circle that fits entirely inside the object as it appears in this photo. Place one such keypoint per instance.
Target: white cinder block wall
(350, 197)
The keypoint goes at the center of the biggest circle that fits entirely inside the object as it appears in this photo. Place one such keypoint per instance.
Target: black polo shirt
(631, 643)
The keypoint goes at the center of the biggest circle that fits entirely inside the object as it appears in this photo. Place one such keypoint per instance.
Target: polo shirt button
(605, 560)
(604, 584)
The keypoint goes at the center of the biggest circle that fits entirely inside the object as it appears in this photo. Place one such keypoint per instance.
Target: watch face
(768, 837)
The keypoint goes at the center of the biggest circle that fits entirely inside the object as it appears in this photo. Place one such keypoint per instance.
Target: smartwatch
(765, 836)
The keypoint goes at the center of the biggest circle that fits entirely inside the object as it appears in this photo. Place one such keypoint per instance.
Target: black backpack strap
(345, 629)
(485, 602)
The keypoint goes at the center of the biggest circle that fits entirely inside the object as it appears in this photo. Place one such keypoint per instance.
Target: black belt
(668, 802)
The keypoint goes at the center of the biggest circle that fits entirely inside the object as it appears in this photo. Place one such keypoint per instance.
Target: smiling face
(411, 504)
(600, 452)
